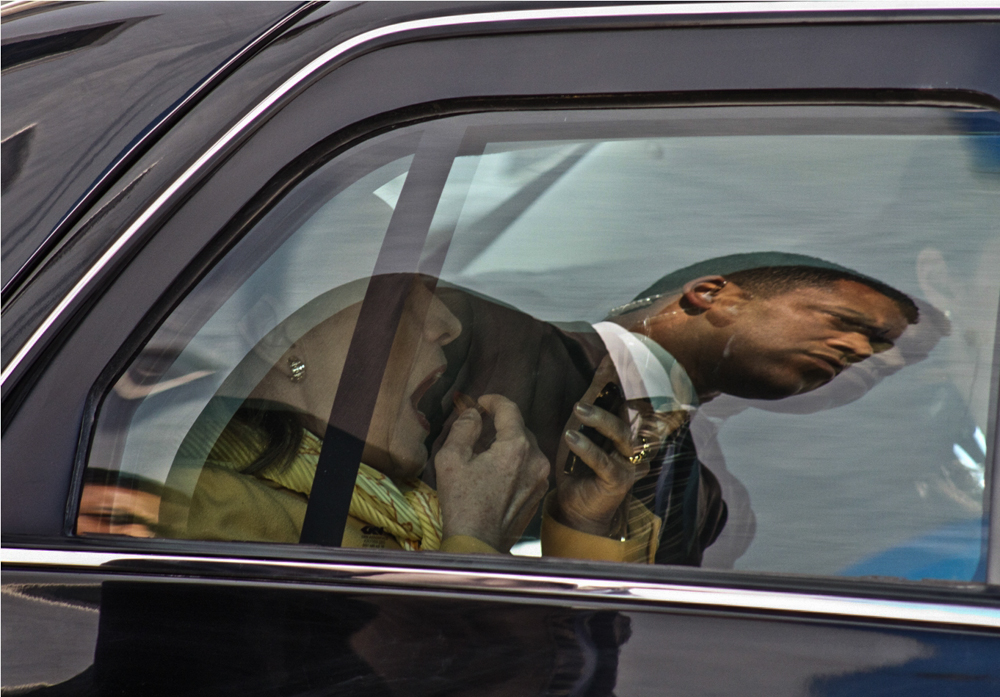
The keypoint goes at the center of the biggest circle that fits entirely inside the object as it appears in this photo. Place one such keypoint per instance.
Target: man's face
(798, 341)
(113, 510)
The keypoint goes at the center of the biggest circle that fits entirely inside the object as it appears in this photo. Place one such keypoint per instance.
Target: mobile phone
(611, 400)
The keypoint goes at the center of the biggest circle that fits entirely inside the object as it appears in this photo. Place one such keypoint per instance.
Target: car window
(754, 337)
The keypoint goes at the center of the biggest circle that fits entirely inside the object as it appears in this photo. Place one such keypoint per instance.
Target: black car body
(148, 146)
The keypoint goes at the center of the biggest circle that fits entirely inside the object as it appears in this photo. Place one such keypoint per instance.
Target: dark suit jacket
(545, 369)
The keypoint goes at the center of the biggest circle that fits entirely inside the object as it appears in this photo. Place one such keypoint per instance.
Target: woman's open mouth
(420, 391)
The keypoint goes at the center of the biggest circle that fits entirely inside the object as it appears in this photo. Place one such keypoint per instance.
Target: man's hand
(491, 496)
(597, 504)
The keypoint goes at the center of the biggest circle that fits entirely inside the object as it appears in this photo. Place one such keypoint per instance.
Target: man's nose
(441, 327)
(855, 346)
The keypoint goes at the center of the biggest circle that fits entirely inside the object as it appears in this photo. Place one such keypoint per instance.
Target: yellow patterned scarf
(411, 515)
(410, 512)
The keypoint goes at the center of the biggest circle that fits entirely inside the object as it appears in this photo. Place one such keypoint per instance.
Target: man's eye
(875, 339)
(849, 325)
(117, 519)
(880, 345)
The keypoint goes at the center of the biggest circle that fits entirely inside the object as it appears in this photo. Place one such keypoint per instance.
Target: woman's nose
(442, 327)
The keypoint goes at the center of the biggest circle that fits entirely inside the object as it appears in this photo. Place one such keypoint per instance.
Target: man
(764, 326)
(763, 333)
(118, 503)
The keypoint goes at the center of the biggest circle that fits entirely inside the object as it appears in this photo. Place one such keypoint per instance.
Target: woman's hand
(594, 504)
(491, 496)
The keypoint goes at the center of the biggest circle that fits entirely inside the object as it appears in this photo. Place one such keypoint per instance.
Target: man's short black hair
(769, 281)
(767, 274)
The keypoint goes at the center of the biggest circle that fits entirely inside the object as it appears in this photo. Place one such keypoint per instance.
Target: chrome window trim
(486, 18)
(537, 585)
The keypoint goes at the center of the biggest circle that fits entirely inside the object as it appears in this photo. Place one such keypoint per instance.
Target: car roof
(82, 82)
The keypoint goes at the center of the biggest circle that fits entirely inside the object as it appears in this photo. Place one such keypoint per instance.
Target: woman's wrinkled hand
(491, 496)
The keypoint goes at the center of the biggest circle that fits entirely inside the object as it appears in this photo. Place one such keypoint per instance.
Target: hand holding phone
(611, 400)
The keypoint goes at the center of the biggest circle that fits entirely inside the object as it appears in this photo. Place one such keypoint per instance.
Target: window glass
(779, 321)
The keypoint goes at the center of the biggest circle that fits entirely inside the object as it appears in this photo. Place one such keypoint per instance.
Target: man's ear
(700, 294)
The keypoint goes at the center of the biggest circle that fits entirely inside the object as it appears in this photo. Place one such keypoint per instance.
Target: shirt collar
(647, 370)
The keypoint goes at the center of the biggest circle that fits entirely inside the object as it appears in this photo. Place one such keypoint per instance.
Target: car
(223, 221)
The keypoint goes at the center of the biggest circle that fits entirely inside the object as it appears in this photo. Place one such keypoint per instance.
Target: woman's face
(395, 443)
(397, 430)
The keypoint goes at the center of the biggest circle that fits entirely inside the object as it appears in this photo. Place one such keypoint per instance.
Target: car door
(576, 157)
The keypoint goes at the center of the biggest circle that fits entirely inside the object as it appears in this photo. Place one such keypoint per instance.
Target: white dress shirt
(647, 370)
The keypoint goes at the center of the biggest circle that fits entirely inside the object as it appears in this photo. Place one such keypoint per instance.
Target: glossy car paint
(286, 627)
(53, 58)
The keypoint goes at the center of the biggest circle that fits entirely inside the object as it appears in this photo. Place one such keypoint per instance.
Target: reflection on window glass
(758, 338)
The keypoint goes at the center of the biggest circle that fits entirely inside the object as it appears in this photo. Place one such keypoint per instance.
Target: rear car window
(779, 322)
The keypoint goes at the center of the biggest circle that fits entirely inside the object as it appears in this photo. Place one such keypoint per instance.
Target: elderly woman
(256, 451)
